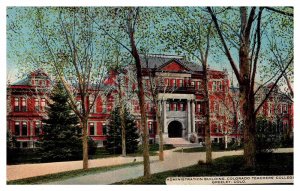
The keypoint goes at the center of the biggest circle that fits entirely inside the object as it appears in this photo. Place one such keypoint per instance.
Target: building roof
(22, 82)
(39, 73)
(156, 61)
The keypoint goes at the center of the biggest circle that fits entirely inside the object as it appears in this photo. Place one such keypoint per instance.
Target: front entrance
(175, 129)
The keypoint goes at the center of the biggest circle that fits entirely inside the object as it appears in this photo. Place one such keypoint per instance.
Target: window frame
(24, 131)
(17, 104)
(92, 126)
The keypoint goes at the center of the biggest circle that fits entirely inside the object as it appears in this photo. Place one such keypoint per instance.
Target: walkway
(173, 160)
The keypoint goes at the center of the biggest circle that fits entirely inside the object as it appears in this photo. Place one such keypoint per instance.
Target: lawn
(270, 164)
(214, 147)
(153, 149)
(27, 156)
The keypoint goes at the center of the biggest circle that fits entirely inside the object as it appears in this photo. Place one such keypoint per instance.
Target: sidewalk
(15, 172)
(173, 160)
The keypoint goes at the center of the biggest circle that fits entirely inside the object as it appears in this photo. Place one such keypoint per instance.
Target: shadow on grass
(270, 164)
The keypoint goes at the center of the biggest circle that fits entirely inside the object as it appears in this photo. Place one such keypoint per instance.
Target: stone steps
(180, 142)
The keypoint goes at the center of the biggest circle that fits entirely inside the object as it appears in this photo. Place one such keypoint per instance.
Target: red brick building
(179, 89)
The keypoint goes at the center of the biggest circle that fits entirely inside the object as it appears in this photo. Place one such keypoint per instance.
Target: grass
(270, 164)
(153, 148)
(29, 156)
(214, 147)
(69, 174)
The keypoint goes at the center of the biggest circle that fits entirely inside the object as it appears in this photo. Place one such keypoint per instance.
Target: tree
(188, 31)
(126, 25)
(61, 138)
(245, 38)
(114, 136)
(65, 43)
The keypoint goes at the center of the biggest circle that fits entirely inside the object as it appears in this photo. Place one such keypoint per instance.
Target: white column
(189, 117)
(193, 116)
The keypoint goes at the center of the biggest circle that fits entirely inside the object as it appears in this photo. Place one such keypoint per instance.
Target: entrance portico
(186, 117)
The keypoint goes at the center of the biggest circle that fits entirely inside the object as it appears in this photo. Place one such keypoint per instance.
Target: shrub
(265, 140)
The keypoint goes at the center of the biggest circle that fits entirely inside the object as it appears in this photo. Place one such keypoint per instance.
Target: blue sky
(26, 43)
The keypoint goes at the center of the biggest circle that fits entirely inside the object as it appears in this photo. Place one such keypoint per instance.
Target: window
(173, 82)
(43, 83)
(17, 106)
(192, 84)
(37, 128)
(23, 104)
(93, 110)
(181, 105)
(104, 129)
(43, 104)
(180, 83)
(217, 130)
(198, 85)
(216, 107)
(24, 129)
(17, 128)
(270, 109)
(219, 86)
(284, 108)
(79, 108)
(150, 127)
(214, 86)
(36, 104)
(175, 106)
(167, 82)
(198, 108)
(168, 107)
(92, 129)
(36, 82)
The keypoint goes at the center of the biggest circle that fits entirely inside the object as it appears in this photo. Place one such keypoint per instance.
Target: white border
(5, 3)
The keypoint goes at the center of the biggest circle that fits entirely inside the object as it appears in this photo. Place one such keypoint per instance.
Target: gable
(174, 66)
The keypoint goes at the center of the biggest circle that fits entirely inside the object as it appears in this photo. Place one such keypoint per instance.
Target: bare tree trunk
(247, 96)
(159, 128)
(249, 130)
(141, 95)
(207, 114)
(122, 117)
(85, 144)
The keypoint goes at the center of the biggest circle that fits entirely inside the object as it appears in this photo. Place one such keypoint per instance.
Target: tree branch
(279, 11)
(270, 91)
(228, 54)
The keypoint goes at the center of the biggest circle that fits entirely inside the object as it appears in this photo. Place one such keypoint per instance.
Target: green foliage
(60, 139)
(266, 136)
(10, 150)
(114, 140)
(23, 156)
